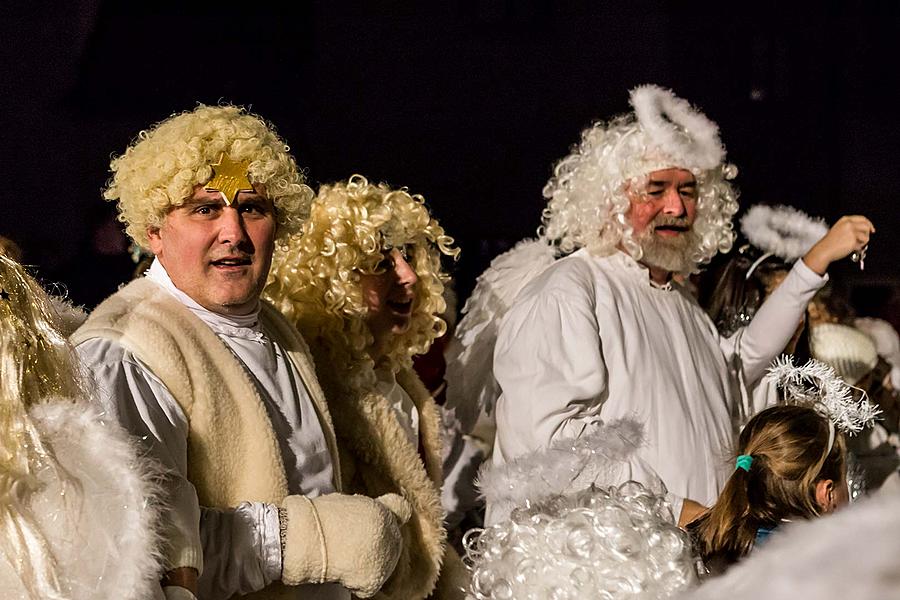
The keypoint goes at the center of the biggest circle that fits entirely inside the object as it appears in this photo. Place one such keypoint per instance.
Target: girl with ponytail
(790, 465)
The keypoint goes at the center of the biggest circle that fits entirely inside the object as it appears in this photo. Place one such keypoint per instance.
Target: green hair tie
(743, 462)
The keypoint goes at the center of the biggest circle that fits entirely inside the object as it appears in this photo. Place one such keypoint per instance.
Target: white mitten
(352, 540)
(174, 592)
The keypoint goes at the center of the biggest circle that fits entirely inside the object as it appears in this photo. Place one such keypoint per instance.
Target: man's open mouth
(672, 228)
(232, 262)
(403, 307)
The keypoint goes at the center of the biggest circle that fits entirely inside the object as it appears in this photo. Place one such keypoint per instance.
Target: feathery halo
(782, 231)
(816, 385)
(679, 129)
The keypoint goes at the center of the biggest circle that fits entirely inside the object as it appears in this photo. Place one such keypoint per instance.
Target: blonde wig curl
(36, 364)
(588, 194)
(160, 169)
(315, 281)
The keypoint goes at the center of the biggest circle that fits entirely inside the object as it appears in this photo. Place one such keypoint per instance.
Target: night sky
(468, 103)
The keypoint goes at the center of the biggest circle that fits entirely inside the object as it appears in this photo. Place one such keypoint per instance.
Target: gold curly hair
(315, 281)
(160, 169)
(37, 364)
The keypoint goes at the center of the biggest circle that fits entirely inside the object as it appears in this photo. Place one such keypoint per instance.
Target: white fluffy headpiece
(816, 385)
(782, 231)
(606, 456)
(676, 134)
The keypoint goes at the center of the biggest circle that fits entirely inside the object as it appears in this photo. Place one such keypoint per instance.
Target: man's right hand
(352, 540)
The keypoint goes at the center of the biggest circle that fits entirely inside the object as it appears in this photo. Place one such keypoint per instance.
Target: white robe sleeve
(758, 344)
(549, 364)
(242, 547)
(143, 405)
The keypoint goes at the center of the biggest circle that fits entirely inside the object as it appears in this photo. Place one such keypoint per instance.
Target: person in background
(363, 283)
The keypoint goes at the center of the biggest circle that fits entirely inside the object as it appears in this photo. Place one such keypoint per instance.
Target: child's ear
(825, 495)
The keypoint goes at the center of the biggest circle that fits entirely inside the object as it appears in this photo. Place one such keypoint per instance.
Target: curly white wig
(616, 543)
(587, 199)
(163, 165)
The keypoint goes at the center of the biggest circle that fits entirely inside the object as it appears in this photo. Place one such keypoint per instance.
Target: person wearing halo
(607, 331)
(791, 463)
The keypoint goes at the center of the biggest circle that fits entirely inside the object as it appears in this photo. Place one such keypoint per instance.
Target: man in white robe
(609, 332)
(218, 386)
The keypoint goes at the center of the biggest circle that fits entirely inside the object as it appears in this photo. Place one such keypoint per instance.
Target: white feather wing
(100, 525)
(471, 387)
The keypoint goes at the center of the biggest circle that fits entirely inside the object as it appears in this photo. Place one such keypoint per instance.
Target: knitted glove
(352, 540)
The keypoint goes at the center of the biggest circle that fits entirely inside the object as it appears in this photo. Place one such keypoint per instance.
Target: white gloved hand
(352, 540)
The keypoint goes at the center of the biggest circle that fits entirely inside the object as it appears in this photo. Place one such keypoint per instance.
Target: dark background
(468, 102)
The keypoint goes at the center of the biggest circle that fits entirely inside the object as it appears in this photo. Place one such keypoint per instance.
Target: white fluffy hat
(887, 343)
(849, 351)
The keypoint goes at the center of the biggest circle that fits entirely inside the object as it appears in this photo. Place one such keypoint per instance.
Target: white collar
(241, 326)
(640, 271)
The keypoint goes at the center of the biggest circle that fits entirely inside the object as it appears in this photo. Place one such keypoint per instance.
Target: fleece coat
(377, 458)
(233, 454)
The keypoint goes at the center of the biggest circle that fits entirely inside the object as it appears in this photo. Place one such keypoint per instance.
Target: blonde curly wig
(587, 195)
(161, 167)
(315, 281)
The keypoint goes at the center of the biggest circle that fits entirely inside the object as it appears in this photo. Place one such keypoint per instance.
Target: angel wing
(471, 387)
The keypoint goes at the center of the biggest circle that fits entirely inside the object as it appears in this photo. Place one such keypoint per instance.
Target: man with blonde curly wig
(218, 384)
(364, 283)
(607, 332)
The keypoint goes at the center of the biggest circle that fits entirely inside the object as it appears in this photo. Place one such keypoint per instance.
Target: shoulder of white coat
(575, 275)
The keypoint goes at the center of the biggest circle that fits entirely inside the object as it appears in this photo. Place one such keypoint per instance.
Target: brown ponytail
(788, 446)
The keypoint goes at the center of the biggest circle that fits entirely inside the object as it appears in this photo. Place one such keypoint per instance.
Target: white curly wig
(160, 169)
(315, 280)
(587, 199)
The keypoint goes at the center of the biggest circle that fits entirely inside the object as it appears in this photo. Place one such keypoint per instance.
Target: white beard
(670, 254)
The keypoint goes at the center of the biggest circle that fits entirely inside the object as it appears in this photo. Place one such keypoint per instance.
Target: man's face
(389, 295)
(219, 255)
(662, 216)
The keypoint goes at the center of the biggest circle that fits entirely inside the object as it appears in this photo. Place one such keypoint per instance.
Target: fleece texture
(233, 454)
(354, 540)
(377, 458)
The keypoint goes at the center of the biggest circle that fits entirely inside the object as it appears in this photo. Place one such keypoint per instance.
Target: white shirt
(593, 339)
(401, 404)
(241, 547)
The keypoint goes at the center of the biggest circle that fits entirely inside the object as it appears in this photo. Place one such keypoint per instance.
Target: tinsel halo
(817, 386)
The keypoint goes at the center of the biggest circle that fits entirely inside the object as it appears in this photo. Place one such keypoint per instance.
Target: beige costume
(233, 453)
(377, 458)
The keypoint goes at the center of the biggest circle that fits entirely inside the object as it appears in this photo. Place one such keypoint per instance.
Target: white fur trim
(677, 128)
(783, 231)
(602, 458)
(71, 317)
(101, 526)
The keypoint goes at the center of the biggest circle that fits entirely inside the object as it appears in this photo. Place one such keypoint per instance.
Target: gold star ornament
(229, 178)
